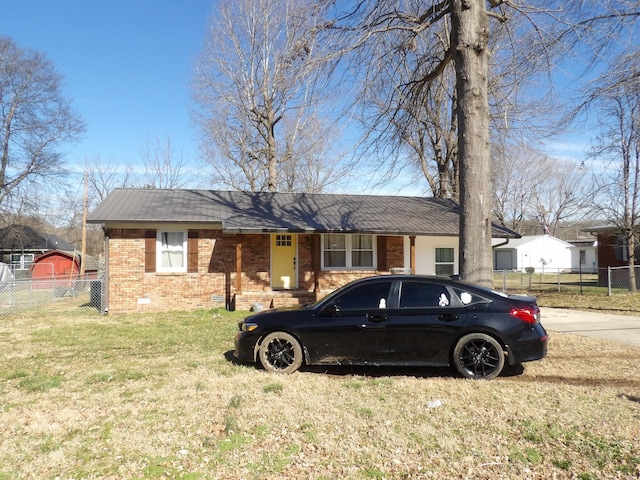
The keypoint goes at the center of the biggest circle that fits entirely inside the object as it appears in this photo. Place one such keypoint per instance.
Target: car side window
(364, 296)
(469, 298)
(423, 294)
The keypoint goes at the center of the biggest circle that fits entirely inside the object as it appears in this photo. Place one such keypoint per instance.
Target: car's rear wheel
(280, 352)
(479, 356)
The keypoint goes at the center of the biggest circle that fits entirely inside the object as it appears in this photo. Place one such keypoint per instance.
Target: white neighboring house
(542, 252)
(584, 256)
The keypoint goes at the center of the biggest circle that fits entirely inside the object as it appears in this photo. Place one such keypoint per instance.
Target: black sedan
(399, 320)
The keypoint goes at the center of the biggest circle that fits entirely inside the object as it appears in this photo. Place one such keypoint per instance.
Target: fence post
(609, 279)
(580, 269)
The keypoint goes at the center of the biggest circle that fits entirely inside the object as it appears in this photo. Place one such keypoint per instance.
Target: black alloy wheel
(280, 352)
(478, 356)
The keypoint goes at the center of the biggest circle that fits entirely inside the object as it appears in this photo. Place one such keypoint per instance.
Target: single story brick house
(191, 249)
(613, 252)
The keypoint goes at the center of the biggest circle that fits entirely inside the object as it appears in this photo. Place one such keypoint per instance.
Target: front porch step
(255, 301)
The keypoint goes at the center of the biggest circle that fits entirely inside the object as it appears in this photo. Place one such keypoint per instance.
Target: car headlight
(248, 327)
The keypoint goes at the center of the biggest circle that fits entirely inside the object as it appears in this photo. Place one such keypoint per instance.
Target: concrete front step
(255, 301)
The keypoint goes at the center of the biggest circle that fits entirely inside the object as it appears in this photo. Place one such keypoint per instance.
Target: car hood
(274, 311)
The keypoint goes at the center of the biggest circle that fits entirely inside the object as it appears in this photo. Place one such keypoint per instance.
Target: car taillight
(528, 315)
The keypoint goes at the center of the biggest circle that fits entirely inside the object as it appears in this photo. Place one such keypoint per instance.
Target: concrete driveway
(619, 328)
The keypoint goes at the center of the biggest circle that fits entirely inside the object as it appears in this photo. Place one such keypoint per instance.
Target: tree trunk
(470, 34)
(272, 161)
(631, 251)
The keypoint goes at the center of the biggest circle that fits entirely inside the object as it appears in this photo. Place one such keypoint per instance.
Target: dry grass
(619, 304)
(85, 396)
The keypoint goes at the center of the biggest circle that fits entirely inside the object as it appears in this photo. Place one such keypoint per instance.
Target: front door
(283, 260)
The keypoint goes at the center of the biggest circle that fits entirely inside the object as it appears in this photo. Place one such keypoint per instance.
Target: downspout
(105, 280)
(506, 241)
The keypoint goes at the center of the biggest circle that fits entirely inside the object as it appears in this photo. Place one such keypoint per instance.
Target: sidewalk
(619, 328)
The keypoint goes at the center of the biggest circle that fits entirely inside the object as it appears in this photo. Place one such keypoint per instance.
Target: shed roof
(90, 262)
(256, 212)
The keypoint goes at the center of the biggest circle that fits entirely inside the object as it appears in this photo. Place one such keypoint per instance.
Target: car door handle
(448, 317)
(377, 318)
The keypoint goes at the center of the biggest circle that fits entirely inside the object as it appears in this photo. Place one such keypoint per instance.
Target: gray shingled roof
(253, 212)
(20, 238)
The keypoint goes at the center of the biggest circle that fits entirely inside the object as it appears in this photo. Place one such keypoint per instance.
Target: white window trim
(349, 250)
(185, 237)
(436, 263)
(22, 263)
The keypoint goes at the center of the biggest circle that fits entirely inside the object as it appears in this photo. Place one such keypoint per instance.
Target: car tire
(280, 352)
(478, 356)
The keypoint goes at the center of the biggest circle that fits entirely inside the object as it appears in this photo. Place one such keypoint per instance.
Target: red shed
(57, 266)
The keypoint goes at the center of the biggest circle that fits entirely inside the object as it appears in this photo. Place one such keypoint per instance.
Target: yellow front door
(283, 261)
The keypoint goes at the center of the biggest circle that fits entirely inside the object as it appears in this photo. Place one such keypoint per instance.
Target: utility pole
(83, 251)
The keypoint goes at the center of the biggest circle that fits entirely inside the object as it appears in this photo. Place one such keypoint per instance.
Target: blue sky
(127, 65)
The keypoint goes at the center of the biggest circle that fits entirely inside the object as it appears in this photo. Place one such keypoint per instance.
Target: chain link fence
(607, 281)
(57, 292)
(618, 279)
(547, 280)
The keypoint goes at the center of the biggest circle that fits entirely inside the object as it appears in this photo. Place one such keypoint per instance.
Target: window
(22, 261)
(348, 251)
(283, 240)
(583, 257)
(172, 251)
(469, 298)
(370, 296)
(621, 250)
(420, 294)
(444, 261)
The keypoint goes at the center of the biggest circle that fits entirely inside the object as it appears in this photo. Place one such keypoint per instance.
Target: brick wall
(133, 290)
(214, 282)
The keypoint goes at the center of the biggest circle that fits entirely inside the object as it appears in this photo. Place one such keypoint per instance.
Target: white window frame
(160, 250)
(436, 263)
(349, 251)
(22, 261)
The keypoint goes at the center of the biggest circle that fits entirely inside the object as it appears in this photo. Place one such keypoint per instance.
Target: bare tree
(618, 194)
(562, 194)
(103, 177)
(164, 167)
(257, 88)
(530, 187)
(512, 186)
(36, 119)
(556, 26)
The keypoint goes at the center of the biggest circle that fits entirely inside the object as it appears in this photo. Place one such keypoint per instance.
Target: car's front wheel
(280, 352)
(478, 356)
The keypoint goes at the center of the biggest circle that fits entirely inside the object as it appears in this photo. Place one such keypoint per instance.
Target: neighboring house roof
(20, 238)
(254, 212)
(607, 229)
(522, 241)
(584, 243)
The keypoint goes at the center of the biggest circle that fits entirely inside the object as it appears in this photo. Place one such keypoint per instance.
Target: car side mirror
(332, 309)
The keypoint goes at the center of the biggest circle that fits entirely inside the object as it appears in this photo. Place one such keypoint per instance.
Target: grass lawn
(155, 396)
